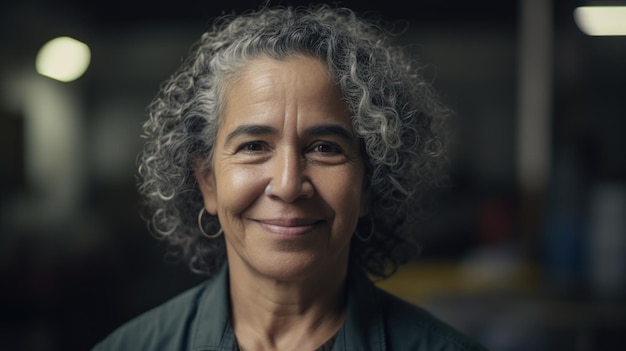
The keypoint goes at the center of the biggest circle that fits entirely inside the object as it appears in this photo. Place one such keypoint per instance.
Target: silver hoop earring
(214, 236)
(371, 233)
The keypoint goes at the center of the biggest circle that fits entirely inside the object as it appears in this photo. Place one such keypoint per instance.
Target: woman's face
(287, 175)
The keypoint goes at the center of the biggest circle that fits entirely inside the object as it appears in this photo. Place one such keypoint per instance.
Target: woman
(284, 161)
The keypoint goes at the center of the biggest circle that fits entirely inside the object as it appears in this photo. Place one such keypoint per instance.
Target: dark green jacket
(198, 320)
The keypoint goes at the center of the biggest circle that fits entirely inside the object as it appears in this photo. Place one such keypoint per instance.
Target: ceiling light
(601, 20)
(63, 58)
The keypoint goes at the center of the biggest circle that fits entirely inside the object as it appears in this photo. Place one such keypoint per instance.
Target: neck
(271, 314)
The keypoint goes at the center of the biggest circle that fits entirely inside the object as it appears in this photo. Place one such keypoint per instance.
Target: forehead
(299, 86)
(303, 74)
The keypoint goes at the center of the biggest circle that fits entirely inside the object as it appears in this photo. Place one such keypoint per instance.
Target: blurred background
(525, 250)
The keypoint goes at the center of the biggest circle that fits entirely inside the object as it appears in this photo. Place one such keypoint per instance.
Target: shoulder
(409, 327)
(163, 327)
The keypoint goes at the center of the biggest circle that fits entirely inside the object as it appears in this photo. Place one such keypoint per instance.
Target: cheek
(248, 184)
(344, 195)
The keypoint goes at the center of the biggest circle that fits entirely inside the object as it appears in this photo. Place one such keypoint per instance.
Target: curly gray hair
(396, 116)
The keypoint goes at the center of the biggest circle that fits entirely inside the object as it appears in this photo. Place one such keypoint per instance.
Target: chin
(296, 266)
(285, 267)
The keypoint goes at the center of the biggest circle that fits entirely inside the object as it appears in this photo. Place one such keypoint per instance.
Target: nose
(289, 180)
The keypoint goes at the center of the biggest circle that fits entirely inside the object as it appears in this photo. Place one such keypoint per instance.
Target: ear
(206, 182)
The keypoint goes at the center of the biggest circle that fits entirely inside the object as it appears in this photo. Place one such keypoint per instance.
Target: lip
(288, 226)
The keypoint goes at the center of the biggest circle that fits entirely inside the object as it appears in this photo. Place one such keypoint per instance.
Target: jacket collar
(363, 328)
(211, 329)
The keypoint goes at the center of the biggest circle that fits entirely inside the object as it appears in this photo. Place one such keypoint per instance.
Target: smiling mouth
(289, 228)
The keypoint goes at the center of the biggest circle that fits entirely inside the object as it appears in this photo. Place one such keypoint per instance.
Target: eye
(327, 153)
(253, 146)
(326, 148)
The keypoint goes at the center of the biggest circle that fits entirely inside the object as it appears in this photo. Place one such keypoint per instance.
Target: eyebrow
(260, 129)
(250, 129)
(331, 129)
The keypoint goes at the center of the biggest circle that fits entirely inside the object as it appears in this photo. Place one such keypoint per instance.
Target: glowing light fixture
(64, 59)
(601, 20)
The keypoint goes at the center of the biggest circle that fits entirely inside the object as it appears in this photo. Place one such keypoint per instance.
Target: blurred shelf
(419, 282)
